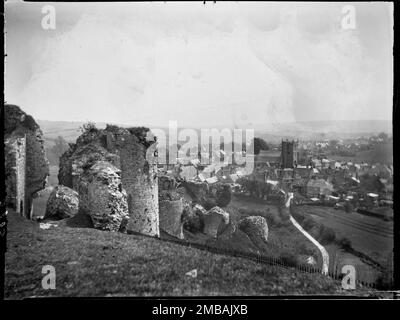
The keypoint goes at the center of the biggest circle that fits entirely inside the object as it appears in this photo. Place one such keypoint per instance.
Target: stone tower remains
(126, 149)
(26, 164)
(139, 178)
(289, 154)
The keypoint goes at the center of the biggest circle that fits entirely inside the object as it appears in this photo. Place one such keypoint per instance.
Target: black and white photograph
(198, 149)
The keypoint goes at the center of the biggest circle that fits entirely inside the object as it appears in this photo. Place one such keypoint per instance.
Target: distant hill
(321, 130)
(298, 130)
(68, 130)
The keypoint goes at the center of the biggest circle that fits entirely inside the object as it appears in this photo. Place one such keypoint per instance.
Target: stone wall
(78, 158)
(139, 179)
(125, 149)
(171, 217)
(15, 164)
(102, 197)
(213, 220)
(256, 228)
(18, 124)
(171, 207)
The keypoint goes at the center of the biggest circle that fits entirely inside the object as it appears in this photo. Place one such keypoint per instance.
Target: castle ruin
(126, 149)
(26, 165)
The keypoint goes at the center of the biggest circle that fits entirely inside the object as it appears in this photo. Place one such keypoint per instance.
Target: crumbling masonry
(26, 165)
(126, 150)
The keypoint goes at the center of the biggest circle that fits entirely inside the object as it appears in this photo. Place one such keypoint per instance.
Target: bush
(89, 127)
(348, 207)
(345, 243)
(384, 281)
(223, 195)
(298, 216)
(326, 235)
(309, 223)
(191, 221)
(209, 204)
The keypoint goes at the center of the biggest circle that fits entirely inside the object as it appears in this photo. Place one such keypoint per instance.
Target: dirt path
(325, 255)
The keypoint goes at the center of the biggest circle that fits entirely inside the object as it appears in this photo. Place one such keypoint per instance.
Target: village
(315, 171)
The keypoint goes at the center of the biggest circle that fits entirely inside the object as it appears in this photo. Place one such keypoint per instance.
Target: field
(371, 236)
(95, 263)
(381, 153)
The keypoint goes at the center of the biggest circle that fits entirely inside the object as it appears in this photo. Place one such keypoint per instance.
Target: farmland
(370, 236)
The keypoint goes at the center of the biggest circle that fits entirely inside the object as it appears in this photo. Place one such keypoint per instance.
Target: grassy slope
(90, 262)
(282, 238)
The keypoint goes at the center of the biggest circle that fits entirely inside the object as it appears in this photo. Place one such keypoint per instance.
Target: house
(316, 162)
(201, 178)
(230, 178)
(209, 171)
(188, 172)
(319, 187)
(373, 195)
(212, 180)
(382, 171)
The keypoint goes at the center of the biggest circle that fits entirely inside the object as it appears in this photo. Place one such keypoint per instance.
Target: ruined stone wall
(126, 150)
(139, 179)
(18, 124)
(102, 197)
(171, 207)
(171, 217)
(37, 168)
(15, 164)
(77, 159)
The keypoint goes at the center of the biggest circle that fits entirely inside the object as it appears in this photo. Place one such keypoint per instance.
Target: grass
(90, 262)
(53, 177)
(283, 238)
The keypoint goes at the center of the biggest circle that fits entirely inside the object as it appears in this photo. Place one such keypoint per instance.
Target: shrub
(345, 243)
(384, 281)
(309, 223)
(223, 195)
(326, 235)
(191, 221)
(348, 207)
(89, 127)
(209, 203)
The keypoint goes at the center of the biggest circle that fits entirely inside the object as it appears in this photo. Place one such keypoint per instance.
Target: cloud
(236, 64)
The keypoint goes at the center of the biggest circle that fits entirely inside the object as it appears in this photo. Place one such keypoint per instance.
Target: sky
(223, 64)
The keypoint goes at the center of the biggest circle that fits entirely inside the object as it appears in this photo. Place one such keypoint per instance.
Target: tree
(60, 146)
(223, 195)
(88, 127)
(383, 136)
(333, 143)
(259, 144)
(57, 150)
(348, 207)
